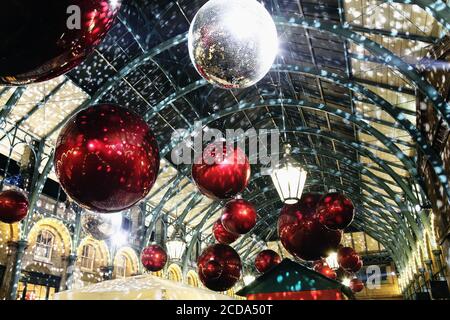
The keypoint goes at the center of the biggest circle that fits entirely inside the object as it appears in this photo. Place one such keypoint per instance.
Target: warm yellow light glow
(289, 178)
(248, 279)
(332, 260)
(346, 282)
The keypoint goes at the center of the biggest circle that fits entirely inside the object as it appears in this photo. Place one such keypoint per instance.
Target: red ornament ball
(302, 234)
(335, 211)
(358, 266)
(348, 259)
(326, 271)
(266, 260)
(219, 267)
(106, 158)
(13, 206)
(43, 39)
(239, 216)
(222, 235)
(153, 258)
(220, 173)
(356, 285)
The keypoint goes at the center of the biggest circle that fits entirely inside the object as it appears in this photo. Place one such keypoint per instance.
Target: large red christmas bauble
(222, 235)
(42, 39)
(106, 158)
(153, 258)
(239, 216)
(326, 271)
(13, 206)
(219, 267)
(356, 285)
(302, 234)
(221, 173)
(348, 259)
(335, 211)
(266, 260)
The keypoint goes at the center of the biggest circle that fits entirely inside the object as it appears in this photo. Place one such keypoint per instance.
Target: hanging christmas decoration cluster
(312, 228)
(348, 264)
(46, 38)
(106, 158)
(302, 234)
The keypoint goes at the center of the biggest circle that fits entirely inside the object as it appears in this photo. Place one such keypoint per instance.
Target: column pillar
(429, 266)
(422, 275)
(107, 272)
(16, 269)
(437, 255)
(68, 277)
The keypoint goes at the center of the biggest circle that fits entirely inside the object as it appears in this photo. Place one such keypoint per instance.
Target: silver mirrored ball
(233, 43)
(101, 226)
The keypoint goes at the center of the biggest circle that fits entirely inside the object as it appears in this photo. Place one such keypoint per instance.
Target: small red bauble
(348, 259)
(239, 216)
(302, 234)
(219, 267)
(13, 206)
(326, 271)
(335, 211)
(266, 260)
(106, 158)
(221, 173)
(153, 258)
(356, 285)
(358, 266)
(223, 236)
(43, 39)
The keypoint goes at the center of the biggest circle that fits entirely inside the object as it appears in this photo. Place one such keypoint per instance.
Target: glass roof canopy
(156, 30)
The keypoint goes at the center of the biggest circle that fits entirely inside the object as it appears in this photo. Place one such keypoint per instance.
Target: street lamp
(289, 178)
(176, 247)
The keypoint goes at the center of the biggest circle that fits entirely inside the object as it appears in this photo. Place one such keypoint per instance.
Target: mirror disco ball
(101, 226)
(233, 43)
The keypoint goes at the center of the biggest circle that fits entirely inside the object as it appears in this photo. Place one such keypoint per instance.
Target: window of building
(359, 242)
(44, 246)
(88, 257)
(122, 265)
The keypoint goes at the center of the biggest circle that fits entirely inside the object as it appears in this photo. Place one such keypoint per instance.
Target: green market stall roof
(289, 277)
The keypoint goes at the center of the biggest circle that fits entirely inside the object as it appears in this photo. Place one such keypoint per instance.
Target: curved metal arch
(375, 194)
(399, 116)
(395, 113)
(358, 120)
(438, 9)
(132, 65)
(353, 144)
(386, 57)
